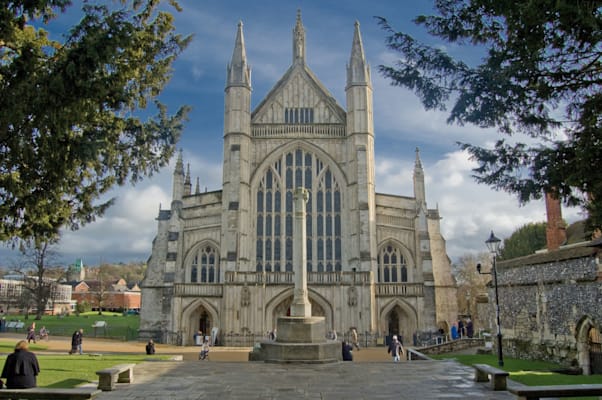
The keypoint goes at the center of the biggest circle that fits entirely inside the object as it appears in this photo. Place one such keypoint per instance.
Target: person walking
(395, 349)
(31, 333)
(76, 342)
(21, 368)
(354, 341)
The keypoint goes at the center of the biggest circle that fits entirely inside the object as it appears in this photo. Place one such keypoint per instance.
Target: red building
(114, 297)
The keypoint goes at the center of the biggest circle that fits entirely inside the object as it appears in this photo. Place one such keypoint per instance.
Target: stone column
(300, 307)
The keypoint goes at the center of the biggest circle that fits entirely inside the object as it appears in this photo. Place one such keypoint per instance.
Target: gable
(301, 95)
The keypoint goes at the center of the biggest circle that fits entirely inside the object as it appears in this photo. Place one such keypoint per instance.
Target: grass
(119, 326)
(531, 373)
(63, 371)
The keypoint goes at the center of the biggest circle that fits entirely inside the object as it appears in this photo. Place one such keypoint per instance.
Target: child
(204, 350)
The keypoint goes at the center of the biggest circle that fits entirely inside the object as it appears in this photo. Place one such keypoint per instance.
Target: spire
(179, 165)
(299, 41)
(187, 185)
(197, 189)
(239, 73)
(418, 163)
(178, 180)
(358, 71)
(419, 188)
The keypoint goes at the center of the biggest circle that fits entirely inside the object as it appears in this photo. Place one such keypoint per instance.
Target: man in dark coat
(21, 368)
(346, 349)
(76, 342)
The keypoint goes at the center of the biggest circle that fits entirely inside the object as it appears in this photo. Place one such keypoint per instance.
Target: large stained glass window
(205, 266)
(274, 207)
(391, 265)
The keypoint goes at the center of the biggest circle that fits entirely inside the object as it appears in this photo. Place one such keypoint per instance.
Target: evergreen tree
(75, 119)
(541, 77)
(524, 241)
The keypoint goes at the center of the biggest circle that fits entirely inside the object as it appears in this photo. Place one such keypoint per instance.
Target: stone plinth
(299, 340)
(301, 330)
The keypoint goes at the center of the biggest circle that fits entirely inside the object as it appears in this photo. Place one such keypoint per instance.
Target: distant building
(11, 296)
(117, 296)
(224, 259)
(76, 271)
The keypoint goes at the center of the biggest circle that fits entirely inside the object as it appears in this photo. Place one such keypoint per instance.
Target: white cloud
(469, 211)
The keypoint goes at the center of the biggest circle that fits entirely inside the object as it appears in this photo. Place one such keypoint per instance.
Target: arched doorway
(200, 321)
(398, 318)
(589, 346)
(594, 344)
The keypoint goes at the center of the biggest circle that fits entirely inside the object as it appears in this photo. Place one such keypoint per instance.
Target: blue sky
(469, 211)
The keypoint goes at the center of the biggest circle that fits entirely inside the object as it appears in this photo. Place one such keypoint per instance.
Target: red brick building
(116, 297)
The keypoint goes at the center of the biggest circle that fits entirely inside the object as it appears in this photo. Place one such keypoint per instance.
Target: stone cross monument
(301, 337)
(300, 307)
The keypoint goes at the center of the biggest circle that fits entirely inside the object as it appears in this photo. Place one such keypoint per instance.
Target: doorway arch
(399, 318)
(589, 346)
(198, 316)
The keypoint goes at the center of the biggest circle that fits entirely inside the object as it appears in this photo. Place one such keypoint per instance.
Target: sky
(469, 211)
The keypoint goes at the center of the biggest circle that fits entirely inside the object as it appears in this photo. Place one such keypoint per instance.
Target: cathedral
(222, 261)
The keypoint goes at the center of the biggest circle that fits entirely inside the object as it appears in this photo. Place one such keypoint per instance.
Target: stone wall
(543, 301)
(453, 346)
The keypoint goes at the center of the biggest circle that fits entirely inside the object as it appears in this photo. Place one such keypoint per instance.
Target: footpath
(62, 344)
(228, 375)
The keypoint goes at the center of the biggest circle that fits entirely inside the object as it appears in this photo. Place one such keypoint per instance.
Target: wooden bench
(40, 393)
(109, 377)
(537, 392)
(486, 373)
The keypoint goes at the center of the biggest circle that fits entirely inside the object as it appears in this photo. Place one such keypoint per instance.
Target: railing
(288, 278)
(198, 289)
(297, 130)
(399, 289)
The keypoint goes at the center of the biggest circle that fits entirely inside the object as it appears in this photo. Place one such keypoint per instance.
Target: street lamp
(493, 244)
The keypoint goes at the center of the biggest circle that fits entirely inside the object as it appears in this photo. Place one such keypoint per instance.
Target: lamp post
(493, 244)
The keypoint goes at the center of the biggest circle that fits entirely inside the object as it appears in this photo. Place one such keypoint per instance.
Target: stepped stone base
(299, 340)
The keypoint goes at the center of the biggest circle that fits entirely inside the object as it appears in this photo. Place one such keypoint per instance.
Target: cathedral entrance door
(393, 324)
(204, 323)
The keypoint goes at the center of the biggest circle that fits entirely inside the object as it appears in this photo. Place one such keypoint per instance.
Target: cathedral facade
(224, 259)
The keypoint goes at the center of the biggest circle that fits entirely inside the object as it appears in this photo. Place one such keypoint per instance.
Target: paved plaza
(227, 376)
(187, 380)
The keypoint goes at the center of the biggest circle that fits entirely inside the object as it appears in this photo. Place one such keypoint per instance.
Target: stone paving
(370, 376)
(187, 380)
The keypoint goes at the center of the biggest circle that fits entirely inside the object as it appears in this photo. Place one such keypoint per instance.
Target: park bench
(40, 393)
(108, 377)
(496, 377)
(537, 392)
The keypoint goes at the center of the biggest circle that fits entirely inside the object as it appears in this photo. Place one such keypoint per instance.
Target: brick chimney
(556, 229)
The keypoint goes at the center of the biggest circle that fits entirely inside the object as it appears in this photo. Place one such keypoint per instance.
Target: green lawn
(60, 371)
(119, 326)
(63, 371)
(531, 373)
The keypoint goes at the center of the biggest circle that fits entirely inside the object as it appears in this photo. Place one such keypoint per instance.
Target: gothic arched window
(298, 168)
(207, 271)
(391, 265)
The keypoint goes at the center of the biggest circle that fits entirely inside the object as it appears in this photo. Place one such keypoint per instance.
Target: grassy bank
(64, 371)
(119, 326)
(531, 373)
